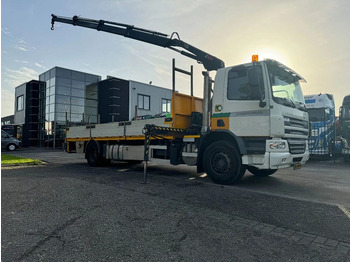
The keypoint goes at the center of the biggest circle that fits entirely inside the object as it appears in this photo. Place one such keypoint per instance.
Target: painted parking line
(345, 211)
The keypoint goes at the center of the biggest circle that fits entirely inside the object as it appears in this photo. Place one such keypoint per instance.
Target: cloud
(22, 61)
(162, 70)
(22, 42)
(7, 102)
(15, 78)
(117, 70)
(179, 8)
(39, 65)
(21, 48)
(5, 31)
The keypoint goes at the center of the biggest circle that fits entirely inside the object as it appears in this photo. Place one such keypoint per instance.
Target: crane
(209, 62)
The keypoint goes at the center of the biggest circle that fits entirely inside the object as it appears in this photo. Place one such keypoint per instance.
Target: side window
(20, 105)
(346, 111)
(245, 83)
(3, 134)
(327, 114)
(143, 102)
(166, 105)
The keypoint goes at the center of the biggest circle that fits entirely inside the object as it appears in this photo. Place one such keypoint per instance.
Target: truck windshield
(285, 86)
(319, 114)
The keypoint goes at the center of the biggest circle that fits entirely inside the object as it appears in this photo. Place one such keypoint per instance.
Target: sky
(310, 36)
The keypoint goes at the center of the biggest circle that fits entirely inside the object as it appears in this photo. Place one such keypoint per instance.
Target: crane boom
(209, 62)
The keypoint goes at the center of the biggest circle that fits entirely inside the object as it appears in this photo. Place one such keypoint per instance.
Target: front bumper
(276, 159)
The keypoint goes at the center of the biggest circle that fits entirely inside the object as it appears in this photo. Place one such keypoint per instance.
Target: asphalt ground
(68, 211)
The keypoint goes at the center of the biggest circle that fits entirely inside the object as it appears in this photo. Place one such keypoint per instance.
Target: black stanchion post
(146, 154)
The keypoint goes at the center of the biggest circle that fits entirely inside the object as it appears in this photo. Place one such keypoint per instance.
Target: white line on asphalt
(345, 211)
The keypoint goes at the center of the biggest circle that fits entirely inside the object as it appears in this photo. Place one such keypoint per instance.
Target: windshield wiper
(285, 101)
(295, 104)
(301, 106)
(292, 102)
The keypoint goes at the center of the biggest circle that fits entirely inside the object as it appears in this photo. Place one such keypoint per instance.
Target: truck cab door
(243, 106)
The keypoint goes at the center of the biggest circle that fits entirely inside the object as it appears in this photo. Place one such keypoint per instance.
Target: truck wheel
(11, 147)
(223, 163)
(92, 156)
(261, 172)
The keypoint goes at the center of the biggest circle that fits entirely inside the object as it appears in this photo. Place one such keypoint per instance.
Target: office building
(66, 95)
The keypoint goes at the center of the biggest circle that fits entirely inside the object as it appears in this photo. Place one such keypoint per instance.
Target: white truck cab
(262, 104)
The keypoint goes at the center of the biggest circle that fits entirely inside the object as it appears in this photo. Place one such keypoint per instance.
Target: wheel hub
(221, 163)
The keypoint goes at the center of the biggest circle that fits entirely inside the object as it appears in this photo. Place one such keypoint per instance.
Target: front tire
(11, 147)
(261, 172)
(223, 163)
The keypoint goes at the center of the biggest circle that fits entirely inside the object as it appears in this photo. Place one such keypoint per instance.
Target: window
(143, 102)
(346, 112)
(78, 84)
(245, 83)
(20, 103)
(4, 134)
(62, 108)
(286, 89)
(63, 81)
(62, 99)
(166, 105)
(319, 114)
(61, 90)
(77, 109)
(61, 117)
(78, 92)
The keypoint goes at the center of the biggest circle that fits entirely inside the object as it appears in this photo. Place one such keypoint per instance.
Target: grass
(10, 160)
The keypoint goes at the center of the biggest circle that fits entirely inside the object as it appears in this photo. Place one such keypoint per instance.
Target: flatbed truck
(252, 116)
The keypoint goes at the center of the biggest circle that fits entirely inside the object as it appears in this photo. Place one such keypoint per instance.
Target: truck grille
(297, 146)
(296, 128)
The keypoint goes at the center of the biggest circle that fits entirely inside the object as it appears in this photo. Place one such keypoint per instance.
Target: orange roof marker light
(255, 58)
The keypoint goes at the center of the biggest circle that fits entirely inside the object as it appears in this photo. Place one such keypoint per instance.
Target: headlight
(278, 145)
(287, 121)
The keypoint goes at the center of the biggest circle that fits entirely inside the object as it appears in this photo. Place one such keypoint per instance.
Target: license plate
(296, 166)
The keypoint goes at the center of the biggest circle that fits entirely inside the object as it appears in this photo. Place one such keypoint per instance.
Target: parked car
(8, 142)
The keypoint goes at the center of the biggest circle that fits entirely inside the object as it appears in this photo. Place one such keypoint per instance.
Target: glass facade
(66, 94)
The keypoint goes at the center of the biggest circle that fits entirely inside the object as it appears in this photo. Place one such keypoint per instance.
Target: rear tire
(261, 172)
(223, 163)
(92, 155)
